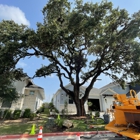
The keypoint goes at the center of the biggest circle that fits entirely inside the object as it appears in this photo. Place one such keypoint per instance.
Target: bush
(63, 112)
(46, 111)
(27, 113)
(41, 109)
(51, 106)
(59, 121)
(32, 115)
(7, 114)
(16, 114)
(56, 110)
(97, 114)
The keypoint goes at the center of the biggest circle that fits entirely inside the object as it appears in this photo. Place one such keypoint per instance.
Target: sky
(28, 12)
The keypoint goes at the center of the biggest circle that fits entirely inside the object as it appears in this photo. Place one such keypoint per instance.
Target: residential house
(101, 99)
(107, 92)
(60, 97)
(30, 96)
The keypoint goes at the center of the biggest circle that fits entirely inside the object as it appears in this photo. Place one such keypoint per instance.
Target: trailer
(126, 120)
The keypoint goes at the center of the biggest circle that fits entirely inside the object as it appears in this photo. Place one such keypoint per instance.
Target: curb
(4, 137)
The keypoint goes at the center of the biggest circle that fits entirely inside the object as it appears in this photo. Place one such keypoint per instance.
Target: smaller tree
(13, 45)
(66, 107)
(89, 105)
(7, 91)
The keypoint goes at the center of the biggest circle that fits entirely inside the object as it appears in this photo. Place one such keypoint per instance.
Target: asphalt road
(74, 138)
(105, 138)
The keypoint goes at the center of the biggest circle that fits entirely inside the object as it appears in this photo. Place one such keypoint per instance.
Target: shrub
(16, 114)
(32, 115)
(41, 109)
(97, 114)
(51, 106)
(46, 111)
(56, 110)
(63, 112)
(7, 114)
(89, 104)
(27, 113)
(59, 121)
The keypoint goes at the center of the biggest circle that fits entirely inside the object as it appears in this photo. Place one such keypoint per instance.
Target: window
(32, 92)
(70, 100)
(6, 104)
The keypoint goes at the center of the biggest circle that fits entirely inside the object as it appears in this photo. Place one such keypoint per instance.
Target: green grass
(15, 129)
(80, 125)
(22, 128)
(25, 128)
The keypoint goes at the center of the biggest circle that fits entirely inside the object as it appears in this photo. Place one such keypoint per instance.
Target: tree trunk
(80, 108)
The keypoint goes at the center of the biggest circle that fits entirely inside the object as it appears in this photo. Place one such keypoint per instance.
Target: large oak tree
(81, 41)
(84, 40)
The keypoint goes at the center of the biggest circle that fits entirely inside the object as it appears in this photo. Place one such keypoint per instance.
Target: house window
(70, 100)
(32, 92)
(6, 104)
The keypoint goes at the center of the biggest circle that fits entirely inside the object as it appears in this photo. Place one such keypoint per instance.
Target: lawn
(21, 127)
(25, 127)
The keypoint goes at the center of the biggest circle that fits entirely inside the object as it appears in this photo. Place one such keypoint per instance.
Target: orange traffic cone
(78, 136)
(40, 137)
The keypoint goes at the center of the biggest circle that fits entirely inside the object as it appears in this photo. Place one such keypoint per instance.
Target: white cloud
(21, 64)
(13, 13)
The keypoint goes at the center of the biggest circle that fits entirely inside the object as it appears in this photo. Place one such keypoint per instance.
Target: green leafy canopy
(81, 41)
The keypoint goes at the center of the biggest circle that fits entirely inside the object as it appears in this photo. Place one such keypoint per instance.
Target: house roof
(61, 89)
(108, 94)
(109, 85)
(32, 85)
(93, 90)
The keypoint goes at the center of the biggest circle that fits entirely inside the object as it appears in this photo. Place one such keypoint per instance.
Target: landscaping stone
(67, 123)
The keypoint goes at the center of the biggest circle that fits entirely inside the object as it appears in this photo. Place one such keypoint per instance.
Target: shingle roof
(93, 90)
(109, 85)
(32, 85)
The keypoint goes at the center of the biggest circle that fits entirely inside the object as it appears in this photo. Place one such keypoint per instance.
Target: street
(73, 137)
